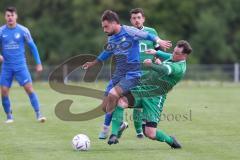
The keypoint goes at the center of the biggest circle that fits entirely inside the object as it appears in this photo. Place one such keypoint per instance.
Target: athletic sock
(137, 118)
(163, 137)
(117, 118)
(6, 104)
(107, 120)
(34, 101)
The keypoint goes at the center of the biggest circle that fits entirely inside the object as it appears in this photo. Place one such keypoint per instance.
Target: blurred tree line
(63, 28)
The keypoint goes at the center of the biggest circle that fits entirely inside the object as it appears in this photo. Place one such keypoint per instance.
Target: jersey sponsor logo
(4, 35)
(17, 35)
(114, 47)
(11, 45)
(142, 47)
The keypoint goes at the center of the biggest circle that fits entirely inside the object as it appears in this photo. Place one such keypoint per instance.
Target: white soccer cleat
(9, 121)
(41, 119)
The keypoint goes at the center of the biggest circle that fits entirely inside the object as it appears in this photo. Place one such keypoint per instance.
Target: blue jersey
(12, 42)
(125, 48)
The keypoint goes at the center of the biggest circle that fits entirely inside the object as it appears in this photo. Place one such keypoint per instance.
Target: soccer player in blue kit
(123, 43)
(13, 37)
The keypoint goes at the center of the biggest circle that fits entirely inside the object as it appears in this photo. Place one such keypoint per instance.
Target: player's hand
(147, 62)
(151, 51)
(87, 65)
(39, 68)
(1, 59)
(158, 61)
(165, 44)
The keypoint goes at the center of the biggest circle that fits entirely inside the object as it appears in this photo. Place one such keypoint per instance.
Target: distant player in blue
(13, 37)
(123, 43)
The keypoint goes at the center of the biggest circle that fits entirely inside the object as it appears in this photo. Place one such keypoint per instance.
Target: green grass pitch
(208, 127)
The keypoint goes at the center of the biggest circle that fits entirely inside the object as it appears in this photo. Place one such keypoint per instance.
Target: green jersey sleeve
(164, 55)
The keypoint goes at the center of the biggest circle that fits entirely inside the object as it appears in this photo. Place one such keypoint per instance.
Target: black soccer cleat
(112, 139)
(175, 144)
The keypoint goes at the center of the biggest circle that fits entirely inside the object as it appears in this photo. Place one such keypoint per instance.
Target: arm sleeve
(1, 37)
(138, 34)
(27, 35)
(34, 52)
(104, 56)
(31, 45)
(163, 55)
(162, 69)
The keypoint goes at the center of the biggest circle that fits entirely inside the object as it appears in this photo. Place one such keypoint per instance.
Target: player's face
(137, 20)
(177, 50)
(178, 53)
(11, 18)
(109, 27)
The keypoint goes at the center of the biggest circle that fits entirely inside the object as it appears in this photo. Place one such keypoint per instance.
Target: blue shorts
(125, 84)
(21, 75)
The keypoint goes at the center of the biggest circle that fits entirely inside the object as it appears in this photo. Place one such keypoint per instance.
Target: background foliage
(63, 28)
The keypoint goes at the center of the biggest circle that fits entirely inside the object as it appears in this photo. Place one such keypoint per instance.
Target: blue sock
(34, 101)
(108, 119)
(6, 104)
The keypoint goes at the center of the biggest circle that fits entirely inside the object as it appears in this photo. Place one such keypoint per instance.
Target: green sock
(163, 137)
(117, 118)
(137, 118)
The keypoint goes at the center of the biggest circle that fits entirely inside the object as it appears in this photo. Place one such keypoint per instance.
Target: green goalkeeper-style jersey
(145, 44)
(161, 78)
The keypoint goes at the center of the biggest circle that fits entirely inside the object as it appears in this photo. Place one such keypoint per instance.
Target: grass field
(211, 132)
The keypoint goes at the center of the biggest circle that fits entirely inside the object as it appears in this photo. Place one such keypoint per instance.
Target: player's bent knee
(123, 102)
(104, 104)
(4, 91)
(115, 92)
(150, 133)
(150, 130)
(28, 88)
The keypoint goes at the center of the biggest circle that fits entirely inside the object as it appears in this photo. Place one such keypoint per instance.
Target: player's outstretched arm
(160, 54)
(139, 35)
(102, 57)
(165, 44)
(89, 64)
(161, 69)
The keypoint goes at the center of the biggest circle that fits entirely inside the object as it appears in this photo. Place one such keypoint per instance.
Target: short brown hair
(136, 11)
(11, 9)
(110, 16)
(187, 49)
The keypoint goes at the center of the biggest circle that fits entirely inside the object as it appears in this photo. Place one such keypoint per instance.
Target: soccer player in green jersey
(155, 85)
(137, 20)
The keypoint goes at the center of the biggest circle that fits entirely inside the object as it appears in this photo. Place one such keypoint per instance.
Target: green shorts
(152, 107)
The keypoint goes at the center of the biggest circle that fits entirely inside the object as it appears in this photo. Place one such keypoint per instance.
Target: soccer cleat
(113, 139)
(9, 121)
(140, 135)
(175, 144)
(41, 119)
(124, 126)
(9, 118)
(103, 135)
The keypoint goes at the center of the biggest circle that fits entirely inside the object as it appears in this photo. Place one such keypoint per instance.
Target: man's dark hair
(110, 16)
(136, 11)
(187, 49)
(11, 9)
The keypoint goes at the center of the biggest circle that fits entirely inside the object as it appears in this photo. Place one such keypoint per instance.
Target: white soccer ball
(81, 142)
